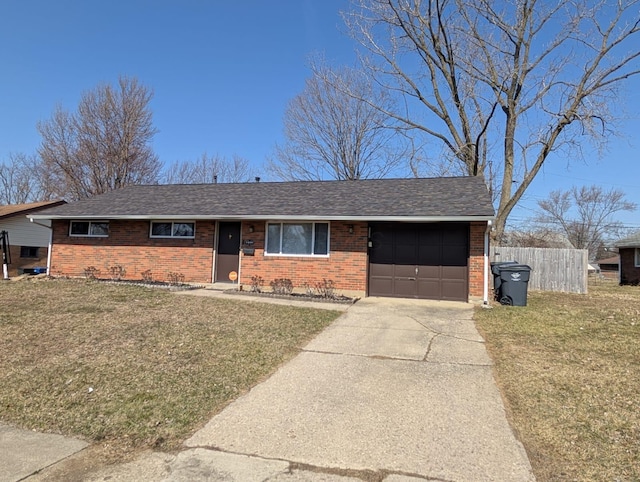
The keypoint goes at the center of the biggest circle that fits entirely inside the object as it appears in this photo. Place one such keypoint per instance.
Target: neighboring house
(29, 241)
(629, 250)
(609, 267)
(419, 238)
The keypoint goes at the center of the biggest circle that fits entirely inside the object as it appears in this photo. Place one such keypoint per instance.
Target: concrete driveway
(394, 390)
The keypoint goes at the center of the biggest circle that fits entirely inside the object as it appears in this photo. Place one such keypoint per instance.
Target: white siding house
(29, 241)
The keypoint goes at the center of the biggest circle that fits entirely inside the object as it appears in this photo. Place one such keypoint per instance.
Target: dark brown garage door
(427, 261)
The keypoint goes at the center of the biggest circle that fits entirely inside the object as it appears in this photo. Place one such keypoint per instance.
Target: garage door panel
(404, 271)
(381, 270)
(429, 288)
(454, 256)
(429, 255)
(404, 287)
(378, 286)
(453, 290)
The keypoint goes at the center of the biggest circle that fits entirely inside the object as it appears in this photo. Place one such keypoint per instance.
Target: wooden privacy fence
(552, 269)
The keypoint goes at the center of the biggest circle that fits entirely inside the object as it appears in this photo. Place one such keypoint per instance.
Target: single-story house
(418, 238)
(609, 267)
(629, 250)
(29, 241)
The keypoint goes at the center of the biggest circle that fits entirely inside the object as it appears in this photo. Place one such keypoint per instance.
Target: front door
(228, 258)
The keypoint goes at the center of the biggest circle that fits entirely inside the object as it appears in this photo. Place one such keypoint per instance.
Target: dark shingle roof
(632, 241)
(457, 197)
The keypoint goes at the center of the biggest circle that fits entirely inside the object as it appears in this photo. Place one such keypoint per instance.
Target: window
(637, 263)
(89, 228)
(173, 230)
(302, 239)
(28, 251)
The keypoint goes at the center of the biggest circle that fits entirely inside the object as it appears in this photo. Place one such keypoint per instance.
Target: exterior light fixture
(350, 226)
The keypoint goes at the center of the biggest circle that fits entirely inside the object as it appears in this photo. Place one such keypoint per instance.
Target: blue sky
(222, 73)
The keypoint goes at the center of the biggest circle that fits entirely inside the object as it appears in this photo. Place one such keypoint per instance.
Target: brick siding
(346, 266)
(476, 259)
(629, 273)
(130, 246)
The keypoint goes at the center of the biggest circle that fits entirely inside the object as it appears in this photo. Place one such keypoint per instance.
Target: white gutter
(485, 297)
(50, 228)
(263, 217)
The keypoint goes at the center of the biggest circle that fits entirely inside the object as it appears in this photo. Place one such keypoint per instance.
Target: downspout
(240, 256)
(485, 297)
(215, 252)
(50, 247)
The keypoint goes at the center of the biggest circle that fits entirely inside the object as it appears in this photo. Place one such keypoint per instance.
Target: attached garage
(419, 260)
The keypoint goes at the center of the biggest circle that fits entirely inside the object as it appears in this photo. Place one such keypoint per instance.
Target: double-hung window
(298, 239)
(181, 229)
(637, 257)
(97, 229)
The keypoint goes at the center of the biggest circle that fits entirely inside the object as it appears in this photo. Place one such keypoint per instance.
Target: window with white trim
(168, 229)
(298, 239)
(637, 263)
(94, 229)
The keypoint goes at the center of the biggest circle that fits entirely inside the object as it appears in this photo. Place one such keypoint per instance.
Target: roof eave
(254, 217)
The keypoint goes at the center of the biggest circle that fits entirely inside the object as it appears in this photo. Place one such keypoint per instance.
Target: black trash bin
(514, 280)
(495, 270)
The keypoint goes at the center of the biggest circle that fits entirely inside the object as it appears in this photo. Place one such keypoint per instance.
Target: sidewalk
(394, 390)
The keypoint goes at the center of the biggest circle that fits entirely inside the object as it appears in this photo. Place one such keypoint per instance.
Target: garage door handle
(411, 279)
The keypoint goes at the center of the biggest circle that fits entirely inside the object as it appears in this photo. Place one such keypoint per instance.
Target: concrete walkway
(23, 452)
(394, 390)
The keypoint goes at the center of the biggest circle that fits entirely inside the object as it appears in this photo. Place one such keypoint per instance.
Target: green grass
(569, 369)
(133, 367)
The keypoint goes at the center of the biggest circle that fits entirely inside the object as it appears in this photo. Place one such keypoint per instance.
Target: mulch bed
(296, 296)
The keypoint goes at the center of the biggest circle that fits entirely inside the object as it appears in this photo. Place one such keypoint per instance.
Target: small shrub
(308, 289)
(282, 286)
(147, 276)
(326, 288)
(91, 272)
(175, 278)
(117, 272)
(256, 284)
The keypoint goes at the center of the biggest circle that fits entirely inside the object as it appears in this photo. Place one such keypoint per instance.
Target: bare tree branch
(552, 68)
(585, 215)
(103, 146)
(208, 170)
(331, 132)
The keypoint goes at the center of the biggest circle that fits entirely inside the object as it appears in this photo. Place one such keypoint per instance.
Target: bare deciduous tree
(20, 180)
(585, 215)
(331, 133)
(207, 170)
(103, 146)
(501, 86)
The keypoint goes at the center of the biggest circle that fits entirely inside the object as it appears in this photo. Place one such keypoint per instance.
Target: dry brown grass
(569, 369)
(134, 367)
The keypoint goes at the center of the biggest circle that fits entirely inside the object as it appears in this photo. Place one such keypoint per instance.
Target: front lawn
(569, 369)
(133, 367)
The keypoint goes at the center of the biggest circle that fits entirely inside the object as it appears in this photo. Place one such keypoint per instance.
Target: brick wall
(629, 273)
(130, 246)
(476, 259)
(346, 266)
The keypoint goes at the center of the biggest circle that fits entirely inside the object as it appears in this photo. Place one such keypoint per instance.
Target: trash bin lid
(496, 266)
(516, 267)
